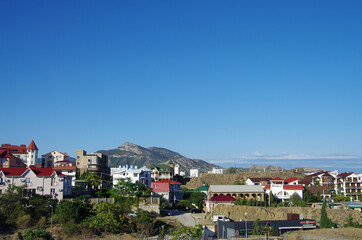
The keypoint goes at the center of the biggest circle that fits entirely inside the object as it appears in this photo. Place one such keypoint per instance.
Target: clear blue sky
(235, 83)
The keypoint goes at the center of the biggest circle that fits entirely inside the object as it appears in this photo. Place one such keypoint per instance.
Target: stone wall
(236, 213)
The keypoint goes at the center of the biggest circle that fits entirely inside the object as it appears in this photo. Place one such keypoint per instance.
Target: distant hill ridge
(132, 154)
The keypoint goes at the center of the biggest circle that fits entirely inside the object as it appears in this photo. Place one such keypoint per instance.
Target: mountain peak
(132, 154)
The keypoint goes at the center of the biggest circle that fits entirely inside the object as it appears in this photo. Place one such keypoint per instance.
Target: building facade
(169, 190)
(50, 158)
(135, 174)
(194, 172)
(283, 189)
(42, 181)
(96, 163)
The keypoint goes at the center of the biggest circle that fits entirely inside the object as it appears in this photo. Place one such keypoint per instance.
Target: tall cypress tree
(325, 222)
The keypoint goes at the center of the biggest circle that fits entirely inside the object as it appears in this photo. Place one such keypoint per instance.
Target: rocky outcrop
(132, 154)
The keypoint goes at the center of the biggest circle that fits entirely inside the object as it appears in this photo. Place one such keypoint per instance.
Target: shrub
(24, 221)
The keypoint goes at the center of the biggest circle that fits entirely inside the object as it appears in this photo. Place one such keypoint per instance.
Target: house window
(78, 163)
(27, 180)
(52, 192)
(135, 175)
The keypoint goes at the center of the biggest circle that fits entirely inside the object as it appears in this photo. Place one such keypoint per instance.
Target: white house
(349, 184)
(216, 170)
(284, 189)
(135, 174)
(43, 181)
(194, 172)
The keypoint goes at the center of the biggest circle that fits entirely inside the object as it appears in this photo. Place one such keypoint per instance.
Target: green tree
(307, 195)
(272, 199)
(73, 211)
(237, 182)
(126, 188)
(108, 218)
(267, 229)
(325, 222)
(145, 224)
(93, 179)
(182, 232)
(295, 198)
(340, 197)
(12, 203)
(231, 170)
(39, 206)
(257, 230)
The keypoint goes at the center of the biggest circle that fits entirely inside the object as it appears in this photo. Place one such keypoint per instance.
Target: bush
(24, 221)
(107, 218)
(36, 234)
(70, 229)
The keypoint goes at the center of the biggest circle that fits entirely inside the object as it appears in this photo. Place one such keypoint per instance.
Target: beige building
(49, 159)
(93, 163)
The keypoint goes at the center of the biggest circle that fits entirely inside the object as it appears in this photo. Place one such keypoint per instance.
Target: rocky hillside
(132, 154)
(266, 168)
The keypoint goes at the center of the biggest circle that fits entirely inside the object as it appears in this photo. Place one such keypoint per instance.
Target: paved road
(185, 218)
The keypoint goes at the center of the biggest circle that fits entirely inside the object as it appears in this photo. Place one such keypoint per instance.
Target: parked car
(196, 210)
(165, 213)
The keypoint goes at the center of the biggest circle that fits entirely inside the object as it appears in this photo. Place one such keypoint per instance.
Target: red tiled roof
(14, 148)
(344, 175)
(13, 171)
(42, 172)
(32, 146)
(327, 175)
(292, 179)
(65, 168)
(260, 179)
(288, 187)
(277, 179)
(222, 198)
(6, 153)
(293, 187)
(315, 189)
(64, 153)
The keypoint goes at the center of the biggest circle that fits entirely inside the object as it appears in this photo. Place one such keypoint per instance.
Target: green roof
(161, 167)
(203, 188)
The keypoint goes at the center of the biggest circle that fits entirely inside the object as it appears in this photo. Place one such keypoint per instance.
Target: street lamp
(51, 223)
(246, 227)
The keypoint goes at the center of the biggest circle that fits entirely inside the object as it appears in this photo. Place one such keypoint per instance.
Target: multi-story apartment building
(216, 170)
(169, 190)
(43, 181)
(96, 163)
(194, 172)
(50, 158)
(349, 184)
(161, 172)
(135, 174)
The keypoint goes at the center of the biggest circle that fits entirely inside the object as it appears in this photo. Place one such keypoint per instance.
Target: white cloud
(288, 156)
